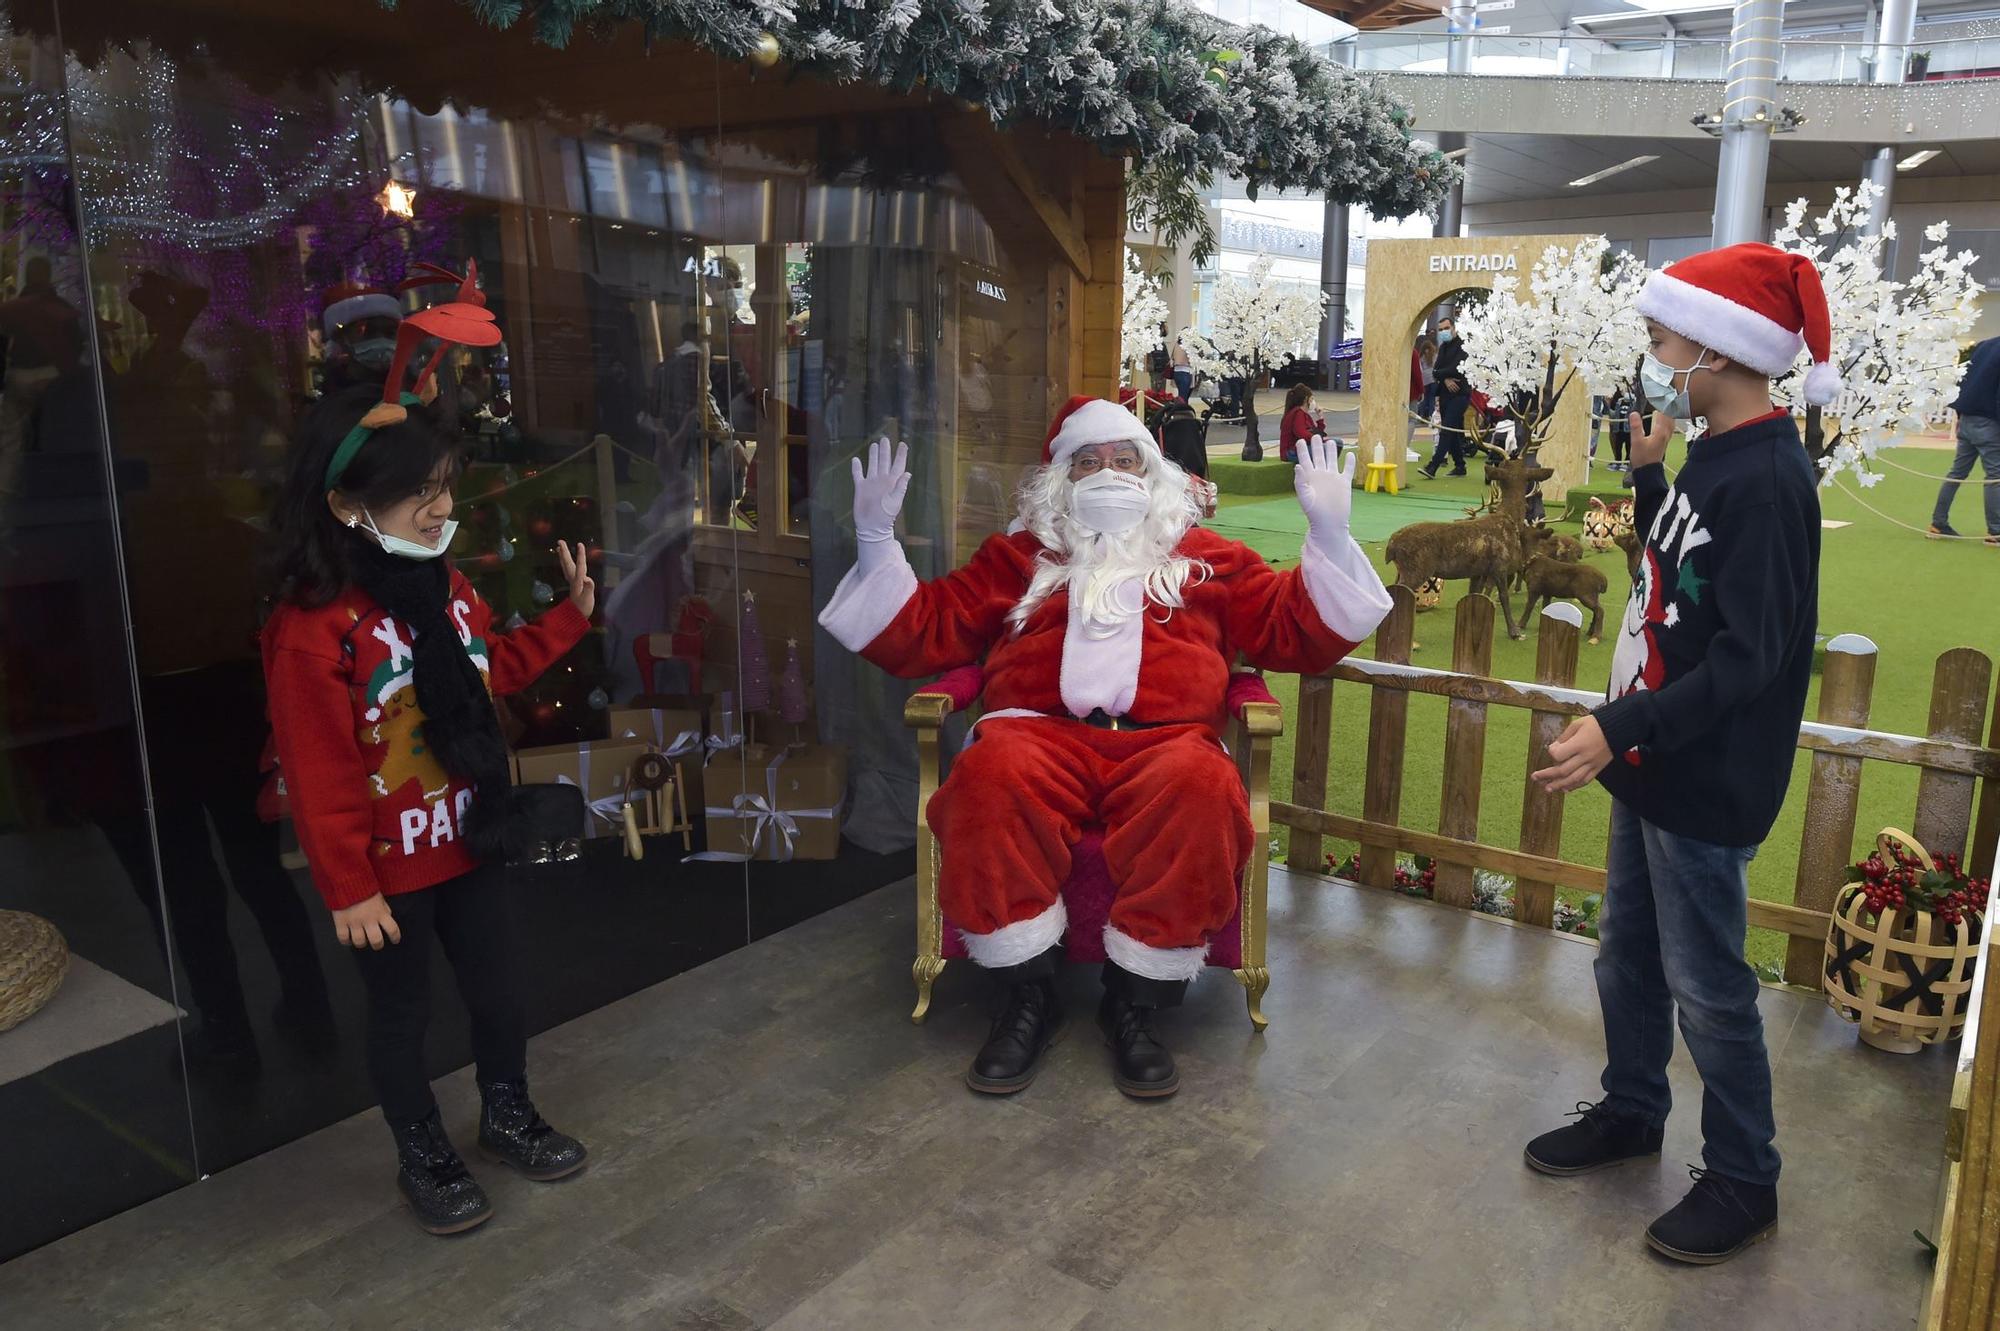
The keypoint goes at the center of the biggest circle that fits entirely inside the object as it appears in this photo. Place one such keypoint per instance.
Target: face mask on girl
(1656, 380)
(1111, 502)
(397, 545)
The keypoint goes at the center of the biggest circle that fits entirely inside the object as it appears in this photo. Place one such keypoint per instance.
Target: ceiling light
(1917, 159)
(1596, 176)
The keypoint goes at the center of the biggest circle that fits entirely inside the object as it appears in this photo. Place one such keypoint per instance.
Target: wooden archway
(1406, 280)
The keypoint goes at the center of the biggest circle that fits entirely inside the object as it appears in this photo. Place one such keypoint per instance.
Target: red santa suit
(1147, 765)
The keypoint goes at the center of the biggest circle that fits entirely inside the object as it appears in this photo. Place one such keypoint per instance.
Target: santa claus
(1108, 622)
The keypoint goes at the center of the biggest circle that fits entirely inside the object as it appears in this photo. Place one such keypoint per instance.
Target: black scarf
(460, 725)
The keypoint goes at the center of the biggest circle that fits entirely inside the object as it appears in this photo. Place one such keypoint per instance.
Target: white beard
(1097, 567)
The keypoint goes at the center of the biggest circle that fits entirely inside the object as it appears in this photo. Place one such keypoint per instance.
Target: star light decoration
(1896, 344)
(397, 200)
(1579, 321)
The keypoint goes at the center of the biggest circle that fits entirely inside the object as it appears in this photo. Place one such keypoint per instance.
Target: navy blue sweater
(1979, 391)
(1708, 683)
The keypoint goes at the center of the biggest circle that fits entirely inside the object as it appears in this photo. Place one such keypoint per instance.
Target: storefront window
(704, 321)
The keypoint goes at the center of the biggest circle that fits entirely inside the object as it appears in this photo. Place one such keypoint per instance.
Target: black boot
(445, 1198)
(1026, 1028)
(1719, 1218)
(1597, 1140)
(1140, 1065)
(512, 1133)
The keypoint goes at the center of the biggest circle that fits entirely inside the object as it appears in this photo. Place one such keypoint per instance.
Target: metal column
(1749, 108)
(1333, 262)
(1893, 36)
(1459, 21)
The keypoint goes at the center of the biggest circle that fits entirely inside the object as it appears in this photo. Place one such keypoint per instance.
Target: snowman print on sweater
(1653, 610)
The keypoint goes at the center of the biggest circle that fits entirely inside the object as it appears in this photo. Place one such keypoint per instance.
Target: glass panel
(254, 220)
(92, 1077)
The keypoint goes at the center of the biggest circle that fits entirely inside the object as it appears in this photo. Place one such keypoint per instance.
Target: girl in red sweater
(381, 661)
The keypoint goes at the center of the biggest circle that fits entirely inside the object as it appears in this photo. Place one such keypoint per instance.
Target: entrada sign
(1475, 263)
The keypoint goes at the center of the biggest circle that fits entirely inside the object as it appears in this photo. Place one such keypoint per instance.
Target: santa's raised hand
(879, 491)
(1325, 484)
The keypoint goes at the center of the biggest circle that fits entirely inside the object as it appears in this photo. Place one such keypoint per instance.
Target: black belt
(1099, 720)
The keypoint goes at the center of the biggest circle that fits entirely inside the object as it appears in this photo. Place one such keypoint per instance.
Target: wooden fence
(1951, 758)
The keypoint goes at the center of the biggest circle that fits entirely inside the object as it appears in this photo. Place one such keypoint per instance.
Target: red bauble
(543, 713)
(540, 529)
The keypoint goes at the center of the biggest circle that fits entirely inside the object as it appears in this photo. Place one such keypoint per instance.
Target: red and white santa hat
(1087, 421)
(1754, 303)
(350, 301)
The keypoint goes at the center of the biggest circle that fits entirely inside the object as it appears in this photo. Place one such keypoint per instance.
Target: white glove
(879, 491)
(1325, 485)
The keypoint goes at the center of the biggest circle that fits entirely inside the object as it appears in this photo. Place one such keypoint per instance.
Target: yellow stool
(1380, 475)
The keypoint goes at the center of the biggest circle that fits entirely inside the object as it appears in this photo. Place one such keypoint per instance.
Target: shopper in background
(379, 662)
(1978, 408)
(1454, 397)
(1300, 423)
(1183, 370)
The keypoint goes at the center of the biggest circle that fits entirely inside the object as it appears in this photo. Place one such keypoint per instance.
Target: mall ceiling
(1503, 168)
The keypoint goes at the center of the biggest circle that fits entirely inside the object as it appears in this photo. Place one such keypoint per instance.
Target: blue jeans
(1978, 436)
(1184, 383)
(1671, 937)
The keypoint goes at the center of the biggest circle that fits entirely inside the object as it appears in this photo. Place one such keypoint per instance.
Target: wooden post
(1464, 746)
(1306, 850)
(1388, 710)
(1986, 822)
(1833, 795)
(1542, 813)
(1958, 712)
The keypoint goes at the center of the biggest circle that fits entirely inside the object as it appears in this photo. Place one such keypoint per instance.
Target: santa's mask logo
(1110, 503)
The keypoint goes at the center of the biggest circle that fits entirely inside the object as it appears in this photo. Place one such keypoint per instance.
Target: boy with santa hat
(1695, 742)
(1108, 623)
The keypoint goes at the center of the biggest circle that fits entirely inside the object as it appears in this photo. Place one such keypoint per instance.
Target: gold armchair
(1256, 720)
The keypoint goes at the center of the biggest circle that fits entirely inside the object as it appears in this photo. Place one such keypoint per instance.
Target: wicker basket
(1904, 976)
(33, 961)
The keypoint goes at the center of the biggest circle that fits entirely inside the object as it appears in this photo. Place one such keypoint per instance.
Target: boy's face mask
(1656, 380)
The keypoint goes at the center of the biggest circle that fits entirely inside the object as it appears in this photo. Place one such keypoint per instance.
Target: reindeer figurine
(1488, 550)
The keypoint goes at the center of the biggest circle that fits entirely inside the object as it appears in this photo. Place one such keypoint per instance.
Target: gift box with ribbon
(776, 803)
(602, 769)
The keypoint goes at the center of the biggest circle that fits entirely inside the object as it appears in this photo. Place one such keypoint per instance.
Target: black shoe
(1458, 471)
(444, 1196)
(1141, 1066)
(1597, 1140)
(1428, 473)
(512, 1133)
(1029, 1025)
(226, 1051)
(1719, 1218)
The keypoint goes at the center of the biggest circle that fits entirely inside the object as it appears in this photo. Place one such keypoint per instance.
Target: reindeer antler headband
(462, 321)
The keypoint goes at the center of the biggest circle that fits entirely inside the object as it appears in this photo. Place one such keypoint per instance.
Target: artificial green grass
(1914, 598)
(1233, 476)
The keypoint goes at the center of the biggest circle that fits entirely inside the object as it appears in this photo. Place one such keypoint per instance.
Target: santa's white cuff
(1153, 963)
(1343, 584)
(1023, 940)
(870, 597)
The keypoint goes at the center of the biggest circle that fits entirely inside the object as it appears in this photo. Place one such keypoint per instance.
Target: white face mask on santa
(1110, 503)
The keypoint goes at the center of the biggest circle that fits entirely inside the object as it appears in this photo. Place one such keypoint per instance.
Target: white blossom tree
(1145, 317)
(1578, 323)
(1895, 343)
(1257, 321)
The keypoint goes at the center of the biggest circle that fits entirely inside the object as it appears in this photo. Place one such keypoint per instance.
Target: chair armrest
(927, 711)
(953, 691)
(1250, 700)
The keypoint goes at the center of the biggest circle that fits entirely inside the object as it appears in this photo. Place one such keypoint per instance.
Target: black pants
(1621, 442)
(1451, 431)
(473, 918)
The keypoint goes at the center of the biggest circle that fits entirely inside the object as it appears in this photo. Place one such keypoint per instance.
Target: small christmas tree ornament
(764, 51)
(754, 663)
(792, 692)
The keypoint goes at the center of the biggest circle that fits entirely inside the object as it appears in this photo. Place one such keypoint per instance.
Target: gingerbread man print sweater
(375, 811)
(1708, 682)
